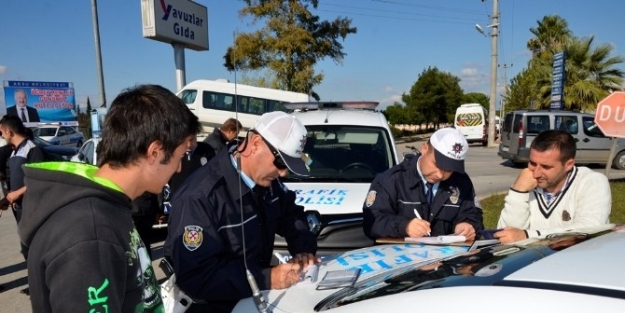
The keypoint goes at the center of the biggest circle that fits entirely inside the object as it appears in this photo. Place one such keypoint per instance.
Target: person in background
(21, 109)
(221, 137)
(553, 195)
(241, 189)
(85, 252)
(24, 152)
(426, 195)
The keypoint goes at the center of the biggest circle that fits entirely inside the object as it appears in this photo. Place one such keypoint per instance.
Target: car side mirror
(314, 221)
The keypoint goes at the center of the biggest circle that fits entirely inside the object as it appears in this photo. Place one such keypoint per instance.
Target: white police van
(348, 144)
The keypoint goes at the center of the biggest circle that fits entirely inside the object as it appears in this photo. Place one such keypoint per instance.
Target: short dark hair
(231, 124)
(556, 139)
(139, 116)
(14, 124)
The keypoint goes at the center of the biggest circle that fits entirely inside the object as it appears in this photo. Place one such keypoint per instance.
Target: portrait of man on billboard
(21, 109)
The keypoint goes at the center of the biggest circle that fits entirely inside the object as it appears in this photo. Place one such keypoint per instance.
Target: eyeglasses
(278, 162)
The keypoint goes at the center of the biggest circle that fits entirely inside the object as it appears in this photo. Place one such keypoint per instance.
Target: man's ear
(568, 165)
(154, 152)
(424, 148)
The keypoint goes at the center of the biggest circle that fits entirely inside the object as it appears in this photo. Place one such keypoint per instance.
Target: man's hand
(510, 235)
(465, 229)
(418, 228)
(13, 196)
(525, 181)
(304, 260)
(285, 275)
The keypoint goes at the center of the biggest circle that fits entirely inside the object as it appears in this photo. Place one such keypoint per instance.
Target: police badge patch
(455, 194)
(192, 237)
(370, 198)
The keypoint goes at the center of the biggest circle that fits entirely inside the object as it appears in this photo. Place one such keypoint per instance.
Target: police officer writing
(224, 221)
(426, 195)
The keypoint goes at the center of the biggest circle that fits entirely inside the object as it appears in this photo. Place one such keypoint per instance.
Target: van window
(507, 123)
(537, 123)
(590, 127)
(188, 96)
(567, 123)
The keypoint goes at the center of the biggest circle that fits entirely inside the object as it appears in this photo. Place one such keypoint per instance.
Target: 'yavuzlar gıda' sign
(41, 102)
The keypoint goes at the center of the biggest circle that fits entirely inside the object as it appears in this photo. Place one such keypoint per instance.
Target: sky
(396, 40)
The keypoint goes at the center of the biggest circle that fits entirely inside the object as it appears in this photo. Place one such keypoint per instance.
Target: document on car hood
(437, 239)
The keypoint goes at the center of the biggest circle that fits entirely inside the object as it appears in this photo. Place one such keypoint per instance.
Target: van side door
(593, 142)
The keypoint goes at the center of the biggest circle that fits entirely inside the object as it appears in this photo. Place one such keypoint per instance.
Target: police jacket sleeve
(380, 214)
(470, 209)
(294, 228)
(204, 268)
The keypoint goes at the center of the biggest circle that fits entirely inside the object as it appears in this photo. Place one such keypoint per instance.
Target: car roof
(357, 117)
(592, 263)
(560, 112)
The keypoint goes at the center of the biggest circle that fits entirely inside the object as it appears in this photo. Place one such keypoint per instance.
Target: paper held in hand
(437, 239)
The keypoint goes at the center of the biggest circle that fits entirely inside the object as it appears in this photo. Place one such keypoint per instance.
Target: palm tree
(551, 35)
(590, 73)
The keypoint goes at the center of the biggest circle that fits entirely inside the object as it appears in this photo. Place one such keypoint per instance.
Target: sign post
(610, 118)
(558, 80)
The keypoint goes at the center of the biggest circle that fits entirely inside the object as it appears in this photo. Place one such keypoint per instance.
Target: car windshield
(346, 153)
(40, 142)
(45, 132)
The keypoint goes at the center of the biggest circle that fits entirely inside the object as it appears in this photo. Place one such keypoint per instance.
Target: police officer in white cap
(429, 195)
(205, 243)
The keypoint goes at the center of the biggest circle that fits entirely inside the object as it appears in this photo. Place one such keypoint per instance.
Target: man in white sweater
(552, 194)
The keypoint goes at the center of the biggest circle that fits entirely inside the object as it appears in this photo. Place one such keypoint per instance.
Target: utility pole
(494, 33)
(98, 54)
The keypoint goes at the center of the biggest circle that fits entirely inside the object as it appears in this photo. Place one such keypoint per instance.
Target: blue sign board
(558, 80)
(41, 102)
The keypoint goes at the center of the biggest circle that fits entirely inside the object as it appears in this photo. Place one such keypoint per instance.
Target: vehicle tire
(619, 161)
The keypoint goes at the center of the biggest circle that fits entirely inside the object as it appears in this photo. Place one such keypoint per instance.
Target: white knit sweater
(585, 201)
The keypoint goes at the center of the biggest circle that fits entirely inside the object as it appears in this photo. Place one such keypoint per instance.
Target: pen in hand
(416, 213)
(281, 258)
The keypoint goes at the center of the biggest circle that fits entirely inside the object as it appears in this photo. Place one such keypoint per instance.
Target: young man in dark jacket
(427, 195)
(205, 245)
(85, 253)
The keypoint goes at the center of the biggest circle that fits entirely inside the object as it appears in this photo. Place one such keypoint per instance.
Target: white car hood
(375, 260)
(330, 198)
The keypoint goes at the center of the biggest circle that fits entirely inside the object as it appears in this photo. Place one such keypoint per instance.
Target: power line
(448, 9)
(398, 12)
(395, 17)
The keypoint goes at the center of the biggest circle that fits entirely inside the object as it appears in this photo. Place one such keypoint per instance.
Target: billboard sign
(41, 102)
(176, 21)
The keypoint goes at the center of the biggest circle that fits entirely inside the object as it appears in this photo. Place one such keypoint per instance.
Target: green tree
(435, 96)
(476, 97)
(291, 43)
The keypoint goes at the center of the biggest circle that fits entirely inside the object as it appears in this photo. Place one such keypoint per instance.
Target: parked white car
(576, 271)
(59, 135)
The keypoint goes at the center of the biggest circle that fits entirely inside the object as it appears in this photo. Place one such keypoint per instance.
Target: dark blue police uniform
(205, 241)
(396, 194)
